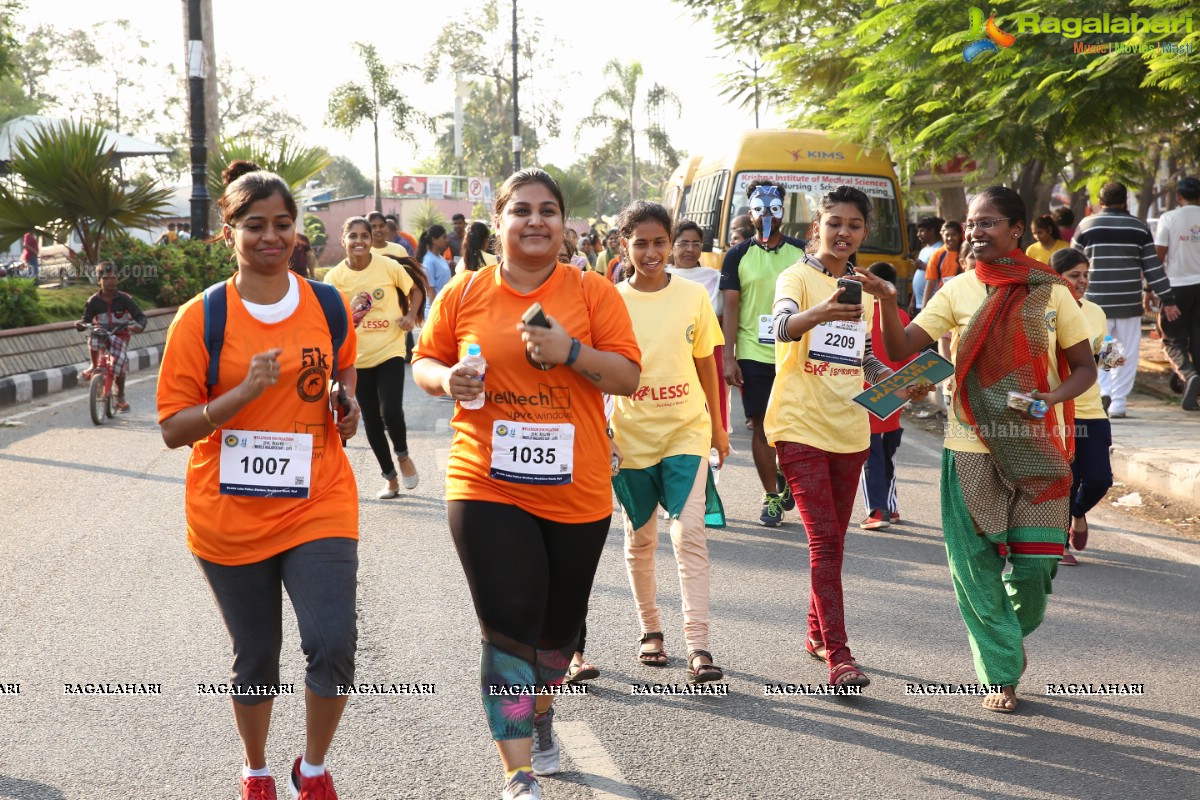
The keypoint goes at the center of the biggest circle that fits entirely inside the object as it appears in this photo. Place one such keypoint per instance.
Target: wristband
(576, 346)
(207, 418)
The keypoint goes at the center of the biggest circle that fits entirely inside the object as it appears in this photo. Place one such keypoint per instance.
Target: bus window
(804, 192)
(703, 206)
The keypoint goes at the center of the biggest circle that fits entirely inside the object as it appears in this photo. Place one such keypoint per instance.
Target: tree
(344, 178)
(244, 109)
(477, 45)
(619, 105)
(353, 104)
(1031, 114)
(426, 216)
(293, 162)
(67, 184)
(576, 189)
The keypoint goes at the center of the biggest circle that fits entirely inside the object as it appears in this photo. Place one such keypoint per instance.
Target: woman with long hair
(1092, 469)
(284, 515)
(529, 501)
(664, 437)
(374, 284)
(475, 253)
(1006, 471)
(1049, 240)
(430, 246)
(821, 436)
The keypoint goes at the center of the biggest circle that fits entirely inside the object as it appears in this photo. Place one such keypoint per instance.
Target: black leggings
(530, 578)
(380, 395)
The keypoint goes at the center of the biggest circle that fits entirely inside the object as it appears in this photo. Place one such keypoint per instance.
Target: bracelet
(207, 418)
(576, 346)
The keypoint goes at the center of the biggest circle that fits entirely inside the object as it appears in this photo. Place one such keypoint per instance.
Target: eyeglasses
(985, 224)
(685, 243)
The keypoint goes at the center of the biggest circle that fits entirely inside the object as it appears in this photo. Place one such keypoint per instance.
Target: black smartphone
(535, 316)
(343, 407)
(852, 292)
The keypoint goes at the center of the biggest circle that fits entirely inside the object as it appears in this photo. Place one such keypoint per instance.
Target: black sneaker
(1105, 401)
(1190, 390)
(784, 491)
(772, 513)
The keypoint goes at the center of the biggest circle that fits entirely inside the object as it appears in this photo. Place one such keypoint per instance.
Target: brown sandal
(703, 673)
(652, 658)
(847, 673)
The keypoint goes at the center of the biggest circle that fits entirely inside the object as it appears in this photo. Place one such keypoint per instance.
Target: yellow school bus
(679, 186)
(808, 164)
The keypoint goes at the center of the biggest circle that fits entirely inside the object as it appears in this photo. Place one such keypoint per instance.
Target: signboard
(409, 184)
(479, 190)
(818, 182)
(881, 400)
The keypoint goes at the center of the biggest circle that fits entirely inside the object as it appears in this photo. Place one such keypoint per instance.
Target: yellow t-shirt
(951, 310)
(667, 415)
(1088, 405)
(379, 335)
(1042, 254)
(390, 249)
(812, 398)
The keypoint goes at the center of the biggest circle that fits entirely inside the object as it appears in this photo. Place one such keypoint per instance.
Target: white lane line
(596, 767)
(67, 401)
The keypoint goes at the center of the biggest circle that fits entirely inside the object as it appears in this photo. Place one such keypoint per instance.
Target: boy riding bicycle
(109, 308)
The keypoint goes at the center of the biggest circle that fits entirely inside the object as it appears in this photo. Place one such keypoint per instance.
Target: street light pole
(197, 71)
(516, 108)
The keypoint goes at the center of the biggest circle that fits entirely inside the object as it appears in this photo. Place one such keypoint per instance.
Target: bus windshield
(804, 192)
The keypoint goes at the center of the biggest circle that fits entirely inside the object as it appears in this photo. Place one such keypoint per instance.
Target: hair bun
(237, 169)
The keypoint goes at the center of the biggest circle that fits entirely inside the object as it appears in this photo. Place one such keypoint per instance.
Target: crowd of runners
(267, 375)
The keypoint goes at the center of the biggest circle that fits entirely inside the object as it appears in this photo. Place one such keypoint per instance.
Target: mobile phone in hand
(535, 316)
(852, 292)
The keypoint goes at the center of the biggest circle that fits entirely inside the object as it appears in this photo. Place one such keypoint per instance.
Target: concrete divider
(47, 347)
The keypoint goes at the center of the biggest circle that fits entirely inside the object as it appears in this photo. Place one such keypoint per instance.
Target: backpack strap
(335, 317)
(216, 308)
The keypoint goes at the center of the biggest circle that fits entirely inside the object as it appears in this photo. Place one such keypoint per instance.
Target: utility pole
(754, 68)
(459, 90)
(516, 108)
(197, 72)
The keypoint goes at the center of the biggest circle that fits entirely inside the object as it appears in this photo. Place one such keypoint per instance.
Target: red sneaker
(318, 788)
(1068, 560)
(258, 788)
(895, 517)
(877, 519)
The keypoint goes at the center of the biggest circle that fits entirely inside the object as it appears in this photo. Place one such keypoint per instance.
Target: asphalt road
(97, 586)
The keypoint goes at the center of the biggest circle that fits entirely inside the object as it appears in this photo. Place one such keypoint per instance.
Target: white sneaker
(387, 492)
(523, 786)
(545, 744)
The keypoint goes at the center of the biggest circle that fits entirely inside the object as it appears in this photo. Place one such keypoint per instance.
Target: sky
(300, 51)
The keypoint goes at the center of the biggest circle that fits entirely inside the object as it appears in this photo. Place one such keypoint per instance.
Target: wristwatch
(576, 346)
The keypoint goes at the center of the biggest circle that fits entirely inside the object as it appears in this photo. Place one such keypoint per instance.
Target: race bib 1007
(266, 464)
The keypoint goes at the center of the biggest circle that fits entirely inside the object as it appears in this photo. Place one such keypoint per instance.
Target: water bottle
(1028, 405)
(1111, 354)
(474, 359)
(714, 461)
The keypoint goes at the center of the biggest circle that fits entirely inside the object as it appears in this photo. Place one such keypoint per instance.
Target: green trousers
(999, 609)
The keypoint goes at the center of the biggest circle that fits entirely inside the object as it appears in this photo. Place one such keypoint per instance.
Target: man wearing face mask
(748, 277)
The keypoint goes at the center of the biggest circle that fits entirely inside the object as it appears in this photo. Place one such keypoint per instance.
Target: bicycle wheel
(96, 399)
(110, 404)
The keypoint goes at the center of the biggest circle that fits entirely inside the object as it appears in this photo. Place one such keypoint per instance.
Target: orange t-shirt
(480, 308)
(944, 260)
(237, 529)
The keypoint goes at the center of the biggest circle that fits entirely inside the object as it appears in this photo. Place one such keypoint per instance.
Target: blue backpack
(216, 307)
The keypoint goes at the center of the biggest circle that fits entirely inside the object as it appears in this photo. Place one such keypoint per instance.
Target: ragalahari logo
(985, 38)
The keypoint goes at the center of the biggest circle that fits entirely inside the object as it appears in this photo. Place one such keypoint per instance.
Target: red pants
(824, 485)
(719, 358)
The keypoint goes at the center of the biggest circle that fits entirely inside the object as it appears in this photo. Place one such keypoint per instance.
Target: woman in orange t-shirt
(528, 477)
(271, 499)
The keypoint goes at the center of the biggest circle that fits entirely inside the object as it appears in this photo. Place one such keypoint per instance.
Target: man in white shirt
(1178, 244)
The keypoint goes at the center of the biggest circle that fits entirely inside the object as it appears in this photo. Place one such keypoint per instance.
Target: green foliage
(480, 211)
(290, 160)
(576, 189)
(65, 303)
(344, 178)
(19, 303)
(354, 104)
(426, 216)
(619, 109)
(314, 228)
(167, 275)
(68, 184)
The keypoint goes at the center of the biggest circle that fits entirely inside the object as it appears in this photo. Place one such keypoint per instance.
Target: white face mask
(765, 204)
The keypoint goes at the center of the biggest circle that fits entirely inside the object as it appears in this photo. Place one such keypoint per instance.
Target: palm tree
(67, 182)
(618, 106)
(352, 104)
(577, 192)
(291, 161)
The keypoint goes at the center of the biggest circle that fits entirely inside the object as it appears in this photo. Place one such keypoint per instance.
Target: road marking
(597, 769)
(66, 401)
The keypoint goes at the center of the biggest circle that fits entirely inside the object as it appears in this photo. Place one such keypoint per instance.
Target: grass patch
(65, 305)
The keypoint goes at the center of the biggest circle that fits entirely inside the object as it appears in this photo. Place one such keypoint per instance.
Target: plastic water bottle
(714, 461)
(474, 359)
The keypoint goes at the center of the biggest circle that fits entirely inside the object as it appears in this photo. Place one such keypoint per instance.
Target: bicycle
(101, 400)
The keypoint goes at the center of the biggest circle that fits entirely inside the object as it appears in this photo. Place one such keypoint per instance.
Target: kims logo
(985, 37)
